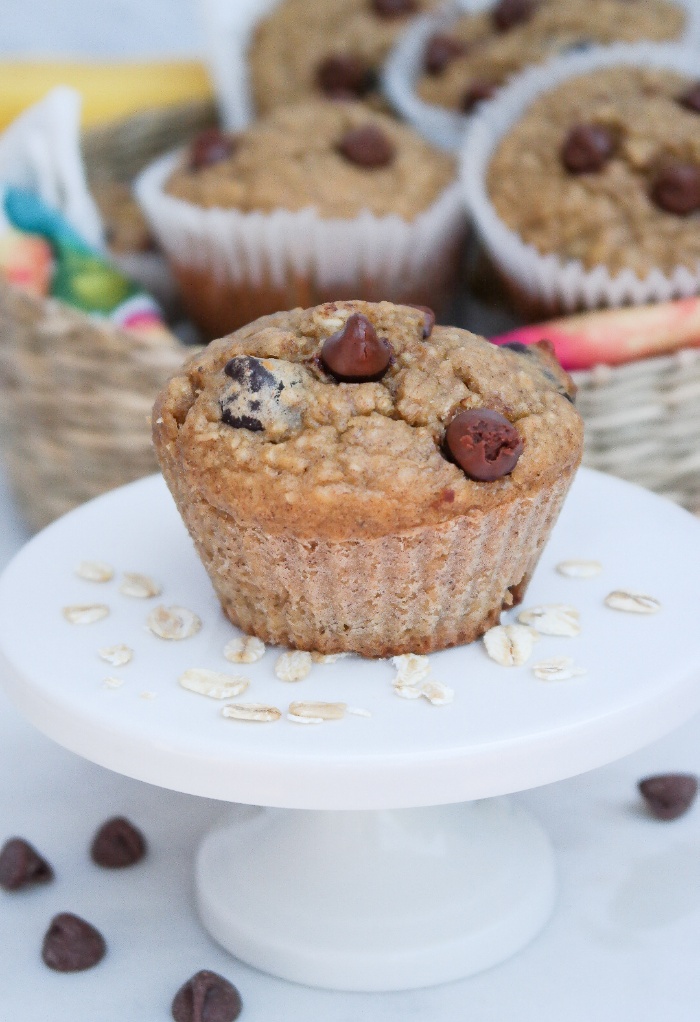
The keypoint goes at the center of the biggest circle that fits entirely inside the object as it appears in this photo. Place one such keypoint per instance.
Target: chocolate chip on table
(207, 997)
(677, 189)
(72, 945)
(484, 444)
(367, 147)
(344, 76)
(479, 91)
(509, 13)
(668, 796)
(209, 147)
(395, 8)
(356, 354)
(117, 844)
(440, 51)
(21, 866)
(428, 322)
(587, 148)
(691, 98)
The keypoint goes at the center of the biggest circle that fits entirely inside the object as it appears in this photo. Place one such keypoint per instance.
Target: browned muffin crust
(554, 26)
(293, 160)
(336, 460)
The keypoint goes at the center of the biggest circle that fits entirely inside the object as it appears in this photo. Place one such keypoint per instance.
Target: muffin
(318, 201)
(357, 479)
(334, 48)
(467, 63)
(584, 180)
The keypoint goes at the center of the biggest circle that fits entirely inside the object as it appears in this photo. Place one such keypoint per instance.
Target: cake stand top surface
(505, 730)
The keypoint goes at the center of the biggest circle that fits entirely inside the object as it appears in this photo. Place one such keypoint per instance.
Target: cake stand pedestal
(347, 880)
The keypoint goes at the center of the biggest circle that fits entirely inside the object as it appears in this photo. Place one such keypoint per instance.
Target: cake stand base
(377, 901)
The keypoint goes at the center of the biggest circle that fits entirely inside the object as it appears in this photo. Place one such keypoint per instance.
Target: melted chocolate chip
(478, 92)
(668, 796)
(356, 354)
(428, 322)
(72, 945)
(677, 189)
(117, 844)
(209, 147)
(241, 421)
(440, 51)
(484, 444)
(691, 98)
(367, 147)
(249, 371)
(394, 8)
(509, 13)
(587, 148)
(21, 866)
(207, 997)
(344, 76)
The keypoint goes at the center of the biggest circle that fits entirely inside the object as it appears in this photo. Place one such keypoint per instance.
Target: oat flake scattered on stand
(632, 603)
(173, 623)
(85, 614)
(95, 571)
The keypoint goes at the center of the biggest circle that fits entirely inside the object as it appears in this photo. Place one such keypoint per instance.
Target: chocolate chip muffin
(335, 48)
(317, 201)
(358, 479)
(605, 169)
(468, 62)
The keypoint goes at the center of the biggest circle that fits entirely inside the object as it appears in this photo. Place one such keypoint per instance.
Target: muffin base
(412, 592)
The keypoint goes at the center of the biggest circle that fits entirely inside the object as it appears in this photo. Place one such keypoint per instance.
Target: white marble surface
(100, 28)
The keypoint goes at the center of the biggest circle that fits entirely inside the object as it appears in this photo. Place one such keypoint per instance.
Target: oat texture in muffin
(605, 169)
(334, 515)
(335, 48)
(470, 60)
(340, 158)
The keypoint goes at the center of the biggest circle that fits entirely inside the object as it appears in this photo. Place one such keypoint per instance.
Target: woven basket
(76, 395)
(643, 423)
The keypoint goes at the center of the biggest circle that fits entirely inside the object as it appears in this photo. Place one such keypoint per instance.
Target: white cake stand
(385, 895)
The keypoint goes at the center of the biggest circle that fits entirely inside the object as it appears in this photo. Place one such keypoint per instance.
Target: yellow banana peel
(110, 91)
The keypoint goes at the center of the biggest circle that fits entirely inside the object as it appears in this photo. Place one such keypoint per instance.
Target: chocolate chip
(440, 51)
(207, 997)
(241, 421)
(691, 99)
(209, 147)
(521, 349)
(478, 92)
(587, 148)
(668, 796)
(484, 444)
(509, 13)
(117, 844)
(367, 147)
(21, 865)
(344, 76)
(250, 372)
(356, 354)
(429, 320)
(677, 189)
(394, 8)
(72, 945)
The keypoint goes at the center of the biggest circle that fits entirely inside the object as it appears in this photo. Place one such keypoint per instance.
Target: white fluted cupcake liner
(549, 282)
(446, 128)
(300, 253)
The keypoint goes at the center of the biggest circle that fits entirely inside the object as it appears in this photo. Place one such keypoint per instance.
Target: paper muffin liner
(415, 591)
(446, 128)
(547, 284)
(234, 266)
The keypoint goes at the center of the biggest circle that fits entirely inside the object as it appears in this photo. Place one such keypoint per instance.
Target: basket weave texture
(75, 402)
(643, 423)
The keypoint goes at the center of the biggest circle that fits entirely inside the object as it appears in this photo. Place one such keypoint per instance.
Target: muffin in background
(333, 48)
(318, 201)
(356, 479)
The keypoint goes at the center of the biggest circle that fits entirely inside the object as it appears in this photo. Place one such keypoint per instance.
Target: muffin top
(262, 425)
(334, 48)
(339, 157)
(467, 62)
(606, 169)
